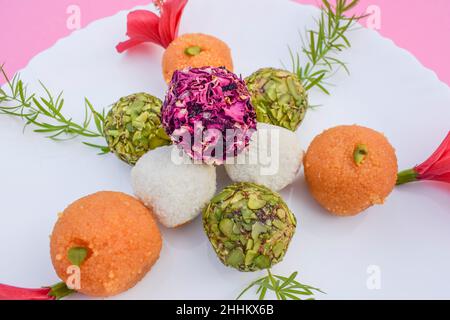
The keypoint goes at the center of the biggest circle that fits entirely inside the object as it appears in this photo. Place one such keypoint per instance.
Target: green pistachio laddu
(278, 97)
(249, 226)
(133, 127)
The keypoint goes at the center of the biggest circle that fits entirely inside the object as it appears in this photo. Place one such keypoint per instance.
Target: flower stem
(59, 291)
(406, 176)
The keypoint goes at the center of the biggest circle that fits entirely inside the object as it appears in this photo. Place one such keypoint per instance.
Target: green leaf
(291, 296)
(321, 87)
(288, 280)
(41, 108)
(101, 147)
(315, 82)
(306, 293)
(98, 119)
(254, 283)
(326, 4)
(262, 295)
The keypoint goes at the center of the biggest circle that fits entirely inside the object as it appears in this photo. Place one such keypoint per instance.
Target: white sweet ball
(176, 192)
(273, 158)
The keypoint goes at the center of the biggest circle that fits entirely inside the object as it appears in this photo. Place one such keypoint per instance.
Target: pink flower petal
(15, 293)
(437, 166)
(145, 26)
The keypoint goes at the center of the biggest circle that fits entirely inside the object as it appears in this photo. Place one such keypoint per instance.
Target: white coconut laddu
(176, 192)
(278, 154)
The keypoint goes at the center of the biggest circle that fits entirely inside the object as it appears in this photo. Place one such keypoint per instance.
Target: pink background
(28, 27)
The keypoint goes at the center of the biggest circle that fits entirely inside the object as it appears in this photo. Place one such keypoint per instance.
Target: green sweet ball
(133, 127)
(278, 97)
(249, 226)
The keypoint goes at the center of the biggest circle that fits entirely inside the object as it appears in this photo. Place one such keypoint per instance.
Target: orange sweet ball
(350, 168)
(195, 50)
(121, 237)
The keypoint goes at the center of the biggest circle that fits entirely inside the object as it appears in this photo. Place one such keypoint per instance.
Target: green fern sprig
(321, 45)
(46, 114)
(284, 288)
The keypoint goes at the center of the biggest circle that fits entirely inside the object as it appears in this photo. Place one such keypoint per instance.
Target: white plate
(388, 90)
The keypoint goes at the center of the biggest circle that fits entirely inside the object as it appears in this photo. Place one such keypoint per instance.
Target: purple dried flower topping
(207, 112)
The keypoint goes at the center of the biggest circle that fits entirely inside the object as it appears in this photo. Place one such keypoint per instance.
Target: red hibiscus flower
(145, 26)
(55, 292)
(436, 167)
